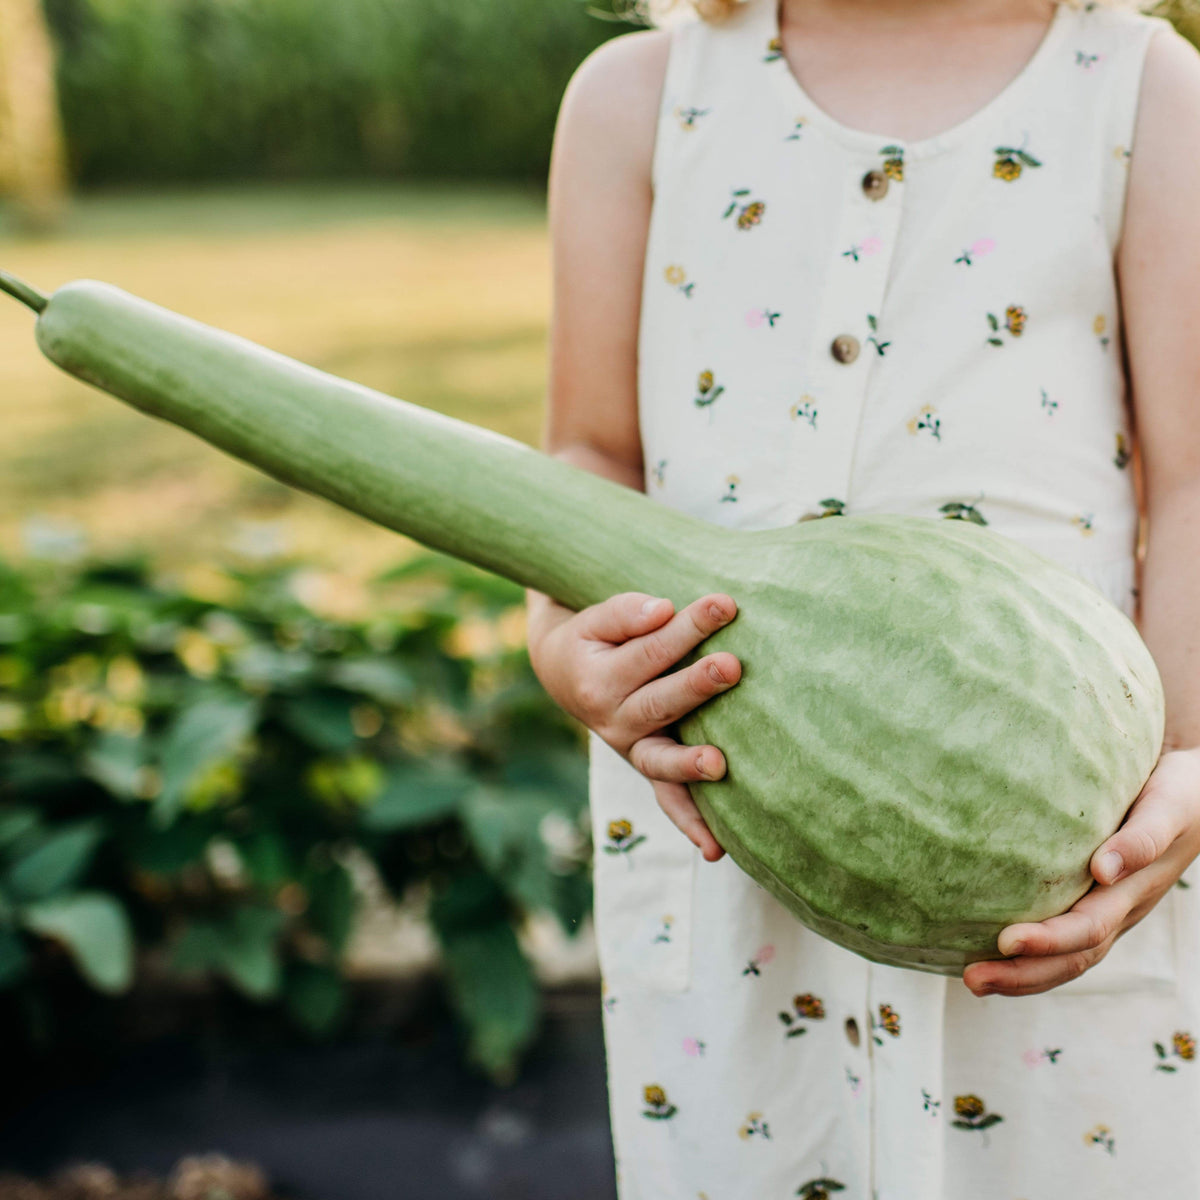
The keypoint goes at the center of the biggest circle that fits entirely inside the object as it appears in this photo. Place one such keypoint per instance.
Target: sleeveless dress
(838, 322)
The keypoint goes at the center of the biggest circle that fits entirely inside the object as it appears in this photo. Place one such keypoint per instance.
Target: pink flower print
(1031, 1058)
(864, 249)
(693, 1047)
(762, 956)
(979, 248)
(756, 316)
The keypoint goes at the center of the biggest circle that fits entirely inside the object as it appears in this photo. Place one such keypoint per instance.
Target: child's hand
(1158, 840)
(604, 666)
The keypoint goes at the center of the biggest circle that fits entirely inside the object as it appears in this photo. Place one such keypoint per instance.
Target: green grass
(438, 296)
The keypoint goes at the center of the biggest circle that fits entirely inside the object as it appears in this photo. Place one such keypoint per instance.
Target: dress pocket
(644, 875)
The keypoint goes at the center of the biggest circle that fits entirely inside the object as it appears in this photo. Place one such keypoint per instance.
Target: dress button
(844, 348)
(875, 185)
(852, 1031)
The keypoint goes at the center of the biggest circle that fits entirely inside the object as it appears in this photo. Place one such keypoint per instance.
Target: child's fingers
(658, 649)
(661, 702)
(624, 616)
(676, 801)
(664, 759)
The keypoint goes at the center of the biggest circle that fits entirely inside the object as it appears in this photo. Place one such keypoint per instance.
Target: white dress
(835, 321)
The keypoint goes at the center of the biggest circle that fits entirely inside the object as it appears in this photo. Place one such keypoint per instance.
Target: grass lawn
(439, 296)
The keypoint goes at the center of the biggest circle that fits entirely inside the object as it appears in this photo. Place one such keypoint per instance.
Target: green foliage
(209, 783)
(237, 89)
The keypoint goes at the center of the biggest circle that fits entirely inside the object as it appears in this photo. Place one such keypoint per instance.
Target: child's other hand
(1158, 840)
(604, 666)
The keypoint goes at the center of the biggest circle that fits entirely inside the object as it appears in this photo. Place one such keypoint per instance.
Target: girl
(824, 257)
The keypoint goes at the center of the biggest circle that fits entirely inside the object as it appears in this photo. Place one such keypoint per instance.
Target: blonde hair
(668, 12)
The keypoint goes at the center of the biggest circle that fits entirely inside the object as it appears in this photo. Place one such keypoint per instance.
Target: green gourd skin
(934, 729)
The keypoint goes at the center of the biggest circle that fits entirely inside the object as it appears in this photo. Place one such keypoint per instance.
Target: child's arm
(605, 665)
(1158, 266)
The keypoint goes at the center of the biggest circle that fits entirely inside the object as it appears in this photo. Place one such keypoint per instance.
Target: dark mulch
(387, 1112)
(202, 1177)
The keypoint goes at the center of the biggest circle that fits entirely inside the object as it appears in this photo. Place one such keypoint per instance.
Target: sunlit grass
(438, 297)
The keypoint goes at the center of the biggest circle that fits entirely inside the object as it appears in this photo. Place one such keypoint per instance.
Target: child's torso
(839, 322)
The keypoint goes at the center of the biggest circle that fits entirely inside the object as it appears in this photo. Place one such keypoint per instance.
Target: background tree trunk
(32, 161)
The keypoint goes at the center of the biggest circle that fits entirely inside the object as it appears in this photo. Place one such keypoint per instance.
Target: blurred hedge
(186, 90)
(192, 788)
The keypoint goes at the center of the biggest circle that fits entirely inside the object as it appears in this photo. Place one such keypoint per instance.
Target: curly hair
(666, 12)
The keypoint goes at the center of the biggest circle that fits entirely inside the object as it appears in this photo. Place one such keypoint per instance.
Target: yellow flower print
(731, 482)
(1100, 1135)
(707, 390)
(829, 508)
(754, 1126)
(807, 1008)
(676, 276)
(774, 50)
(1013, 324)
(893, 162)
(797, 130)
(970, 1112)
(1121, 154)
(805, 409)
(1122, 456)
(749, 214)
(1099, 325)
(664, 931)
(1084, 522)
(658, 1107)
(889, 1023)
(928, 419)
(1183, 1046)
(688, 116)
(1010, 161)
(621, 839)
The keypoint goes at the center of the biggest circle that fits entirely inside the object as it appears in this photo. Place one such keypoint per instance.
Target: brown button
(844, 348)
(875, 185)
(852, 1031)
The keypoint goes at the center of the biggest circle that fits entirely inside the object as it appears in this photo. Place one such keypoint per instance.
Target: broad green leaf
(204, 732)
(504, 827)
(16, 823)
(114, 761)
(243, 948)
(378, 678)
(166, 851)
(29, 773)
(250, 953)
(491, 986)
(322, 719)
(417, 794)
(315, 996)
(332, 903)
(267, 858)
(58, 861)
(95, 931)
(13, 957)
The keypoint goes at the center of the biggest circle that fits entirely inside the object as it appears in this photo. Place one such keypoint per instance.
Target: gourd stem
(23, 292)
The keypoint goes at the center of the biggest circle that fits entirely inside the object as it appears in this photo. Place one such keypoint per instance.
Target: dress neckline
(790, 90)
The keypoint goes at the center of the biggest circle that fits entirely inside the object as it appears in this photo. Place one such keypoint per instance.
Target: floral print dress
(836, 322)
